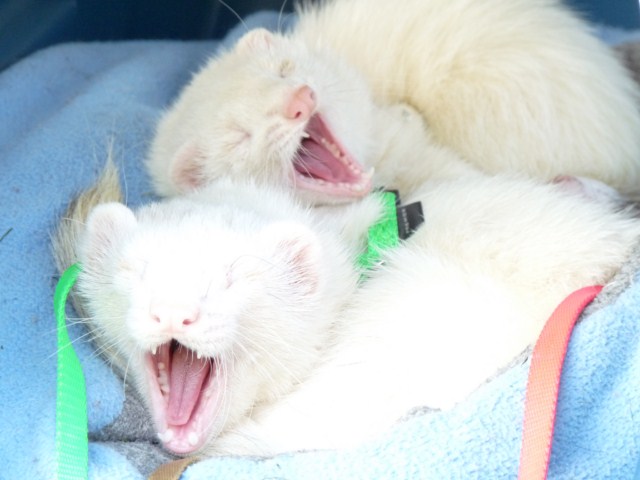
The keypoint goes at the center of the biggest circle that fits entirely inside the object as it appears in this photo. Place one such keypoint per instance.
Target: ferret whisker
(258, 365)
(257, 257)
(70, 322)
(280, 15)
(235, 13)
(103, 347)
(85, 338)
(221, 365)
(267, 354)
(303, 164)
(289, 347)
(125, 373)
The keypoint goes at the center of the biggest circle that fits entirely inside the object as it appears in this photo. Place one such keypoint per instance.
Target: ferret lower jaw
(186, 418)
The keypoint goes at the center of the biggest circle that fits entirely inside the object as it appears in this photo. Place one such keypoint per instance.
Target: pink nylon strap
(544, 382)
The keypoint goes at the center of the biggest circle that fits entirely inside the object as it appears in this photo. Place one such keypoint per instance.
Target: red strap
(544, 381)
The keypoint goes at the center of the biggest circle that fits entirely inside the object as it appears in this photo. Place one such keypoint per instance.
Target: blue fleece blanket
(60, 110)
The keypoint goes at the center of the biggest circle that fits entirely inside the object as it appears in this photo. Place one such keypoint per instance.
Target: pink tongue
(316, 161)
(186, 379)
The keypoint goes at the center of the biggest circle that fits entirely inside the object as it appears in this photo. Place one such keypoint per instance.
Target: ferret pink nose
(173, 318)
(301, 104)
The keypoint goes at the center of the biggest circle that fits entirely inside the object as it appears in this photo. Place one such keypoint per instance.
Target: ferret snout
(301, 104)
(174, 318)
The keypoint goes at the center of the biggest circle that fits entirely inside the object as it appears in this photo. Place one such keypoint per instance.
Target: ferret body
(238, 312)
(508, 85)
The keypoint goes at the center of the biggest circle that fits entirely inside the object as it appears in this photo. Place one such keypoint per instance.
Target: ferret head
(273, 110)
(211, 309)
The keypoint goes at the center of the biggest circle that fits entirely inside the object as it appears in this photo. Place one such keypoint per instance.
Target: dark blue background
(27, 25)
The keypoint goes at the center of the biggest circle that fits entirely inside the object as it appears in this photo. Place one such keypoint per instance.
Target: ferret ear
(300, 251)
(187, 168)
(106, 225)
(255, 40)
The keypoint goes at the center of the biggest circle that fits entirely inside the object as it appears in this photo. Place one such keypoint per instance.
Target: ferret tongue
(317, 162)
(187, 376)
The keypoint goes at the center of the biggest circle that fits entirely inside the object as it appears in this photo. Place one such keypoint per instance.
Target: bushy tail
(65, 239)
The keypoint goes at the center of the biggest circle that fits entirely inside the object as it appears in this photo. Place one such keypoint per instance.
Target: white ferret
(239, 315)
(509, 85)
(213, 304)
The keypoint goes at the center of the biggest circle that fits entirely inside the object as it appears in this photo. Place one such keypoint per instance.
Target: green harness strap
(72, 441)
(382, 235)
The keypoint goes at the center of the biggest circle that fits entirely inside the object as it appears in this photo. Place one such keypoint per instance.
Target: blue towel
(60, 110)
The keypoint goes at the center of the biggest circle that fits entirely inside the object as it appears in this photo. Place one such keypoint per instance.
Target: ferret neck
(397, 222)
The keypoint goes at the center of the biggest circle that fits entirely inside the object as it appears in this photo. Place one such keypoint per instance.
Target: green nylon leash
(382, 235)
(72, 440)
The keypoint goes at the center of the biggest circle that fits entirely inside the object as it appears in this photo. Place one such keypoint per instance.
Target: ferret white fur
(459, 300)
(261, 293)
(216, 303)
(510, 85)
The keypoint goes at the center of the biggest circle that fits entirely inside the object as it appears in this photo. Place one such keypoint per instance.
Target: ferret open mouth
(323, 165)
(186, 392)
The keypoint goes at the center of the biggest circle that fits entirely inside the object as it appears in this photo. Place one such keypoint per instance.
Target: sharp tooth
(163, 382)
(193, 438)
(198, 355)
(305, 135)
(167, 436)
(154, 350)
